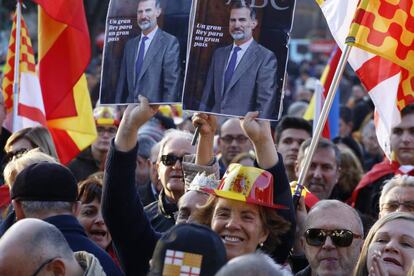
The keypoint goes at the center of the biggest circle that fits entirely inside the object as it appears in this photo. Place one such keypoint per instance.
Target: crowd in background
(142, 199)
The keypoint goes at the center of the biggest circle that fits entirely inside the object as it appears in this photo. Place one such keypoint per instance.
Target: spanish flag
(64, 54)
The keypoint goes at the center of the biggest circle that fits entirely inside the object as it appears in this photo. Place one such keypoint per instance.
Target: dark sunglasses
(14, 154)
(170, 159)
(339, 237)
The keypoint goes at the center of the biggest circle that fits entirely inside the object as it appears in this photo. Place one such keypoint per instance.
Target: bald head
(255, 264)
(337, 209)
(28, 244)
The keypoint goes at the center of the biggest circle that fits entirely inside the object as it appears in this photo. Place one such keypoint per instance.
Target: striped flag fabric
(331, 127)
(378, 29)
(64, 54)
(30, 107)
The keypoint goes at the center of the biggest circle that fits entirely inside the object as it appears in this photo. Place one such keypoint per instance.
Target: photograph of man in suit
(241, 76)
(151, 62)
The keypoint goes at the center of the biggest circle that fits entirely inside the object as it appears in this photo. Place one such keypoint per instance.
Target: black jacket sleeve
(282, 195)
(131, 231)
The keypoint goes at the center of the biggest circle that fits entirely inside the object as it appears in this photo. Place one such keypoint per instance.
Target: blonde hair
(39, 137)
(16, 165)
(361, 266)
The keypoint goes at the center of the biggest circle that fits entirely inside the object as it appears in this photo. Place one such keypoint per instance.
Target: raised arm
(260, 134)
(131, 232)
(208, 126)
(267, 158)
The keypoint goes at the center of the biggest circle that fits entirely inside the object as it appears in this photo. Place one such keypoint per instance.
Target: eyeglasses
(45, 263)
(101, 130)
(170, 159)
(393, 206)
(228, 139)
(339, 237)
(14, 154)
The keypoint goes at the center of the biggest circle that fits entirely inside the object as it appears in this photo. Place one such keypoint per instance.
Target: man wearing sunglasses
(173, 147)
(332, 239)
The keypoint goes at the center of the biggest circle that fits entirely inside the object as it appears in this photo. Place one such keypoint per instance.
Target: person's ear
(18, 209)
(297, 168)
(56, 267)
(254, 24)
(76, 208)
(158, 12)
(302, 243)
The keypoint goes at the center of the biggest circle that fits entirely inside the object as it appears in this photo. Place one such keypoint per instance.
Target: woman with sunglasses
(389, 247)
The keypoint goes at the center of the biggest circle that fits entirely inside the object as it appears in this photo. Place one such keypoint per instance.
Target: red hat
(4, 196)
(247, 184)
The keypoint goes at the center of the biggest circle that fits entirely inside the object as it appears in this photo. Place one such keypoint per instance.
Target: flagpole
(16, 64)
(321, 122)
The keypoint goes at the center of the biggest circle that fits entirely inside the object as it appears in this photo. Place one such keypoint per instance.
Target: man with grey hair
(48, 191)
(34, 247)
(332, 239)
(323, 173)
(255, 264)
(173, 147)
(397, 195)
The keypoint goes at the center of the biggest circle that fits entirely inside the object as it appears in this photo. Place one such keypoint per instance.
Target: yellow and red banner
(64, 54)
(386, 28)
(380, 68)
(30, 103)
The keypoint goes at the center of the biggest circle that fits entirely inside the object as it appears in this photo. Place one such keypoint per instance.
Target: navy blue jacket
(131, 231)
(78, 241)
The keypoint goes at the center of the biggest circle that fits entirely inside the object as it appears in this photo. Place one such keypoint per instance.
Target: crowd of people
(144, 200)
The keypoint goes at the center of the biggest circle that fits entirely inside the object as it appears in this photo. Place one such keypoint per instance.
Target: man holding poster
(151, 62)
(242, 76)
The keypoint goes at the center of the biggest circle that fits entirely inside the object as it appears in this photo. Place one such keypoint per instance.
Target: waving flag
(331, 127)
(383, 30)
(64, 54)
(30, 103)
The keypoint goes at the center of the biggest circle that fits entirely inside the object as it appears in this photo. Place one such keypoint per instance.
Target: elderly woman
(389, 246)
(131, 231)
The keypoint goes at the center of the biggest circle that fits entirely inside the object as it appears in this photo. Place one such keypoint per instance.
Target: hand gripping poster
(237, 56)
(144, 51)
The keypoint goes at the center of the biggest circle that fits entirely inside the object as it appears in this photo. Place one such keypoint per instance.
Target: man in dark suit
(151, 62)
(242, 76)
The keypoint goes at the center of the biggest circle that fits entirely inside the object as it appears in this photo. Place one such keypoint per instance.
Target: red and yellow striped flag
(30, 107)
(64, 54)
(386, 28)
